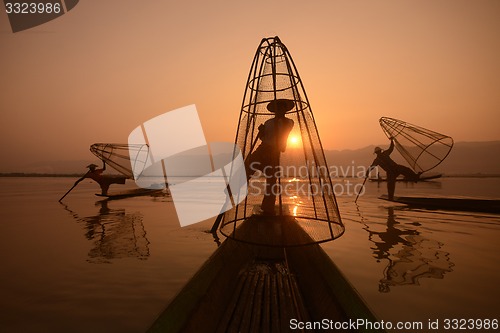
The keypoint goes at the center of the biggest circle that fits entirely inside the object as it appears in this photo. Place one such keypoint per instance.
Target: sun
(294, 141)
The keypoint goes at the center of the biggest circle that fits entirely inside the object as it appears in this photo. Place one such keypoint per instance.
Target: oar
(74, 185)
(219, 217)
(364, 181)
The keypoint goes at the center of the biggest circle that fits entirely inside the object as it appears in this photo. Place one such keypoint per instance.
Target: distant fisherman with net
(392, 169)
(273, 135)
(104, 181)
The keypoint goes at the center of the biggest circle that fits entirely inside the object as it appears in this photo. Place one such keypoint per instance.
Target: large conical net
(303, 188)
(423, 149)
(117, 155)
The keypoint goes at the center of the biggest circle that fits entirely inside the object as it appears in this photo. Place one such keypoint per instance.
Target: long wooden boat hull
(422, 179)
(457, 204)
(132, 193)
(249, 288)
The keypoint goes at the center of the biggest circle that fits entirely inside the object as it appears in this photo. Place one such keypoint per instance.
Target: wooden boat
(259, 279)
(458, 204)
(422, 178)
(250, 288)
(131, 193)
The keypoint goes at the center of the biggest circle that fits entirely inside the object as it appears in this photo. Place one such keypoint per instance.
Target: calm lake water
(89, 265)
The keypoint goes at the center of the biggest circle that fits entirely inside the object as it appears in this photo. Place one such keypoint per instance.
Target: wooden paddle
(216, 224)
(364, 181)
(74, 185)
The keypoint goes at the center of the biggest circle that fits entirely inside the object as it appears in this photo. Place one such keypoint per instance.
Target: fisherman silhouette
(392, 169)
(104, 181)
(273, 135)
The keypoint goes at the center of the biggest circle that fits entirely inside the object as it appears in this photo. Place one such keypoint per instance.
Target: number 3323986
(32, 8)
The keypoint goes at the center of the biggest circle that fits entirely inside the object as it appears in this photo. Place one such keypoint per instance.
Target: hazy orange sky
(107, 66)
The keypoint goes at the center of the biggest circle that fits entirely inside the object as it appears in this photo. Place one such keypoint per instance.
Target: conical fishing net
(118, 156)
(423, 149)
(295, 170)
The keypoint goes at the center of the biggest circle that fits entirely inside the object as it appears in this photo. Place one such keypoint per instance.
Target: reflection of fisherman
(392, 169)
(393, 236)
(104, 181)
(273, 135)
(414, 258)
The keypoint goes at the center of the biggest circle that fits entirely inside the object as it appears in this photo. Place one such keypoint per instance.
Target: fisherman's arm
(391, 147)
(261, 131)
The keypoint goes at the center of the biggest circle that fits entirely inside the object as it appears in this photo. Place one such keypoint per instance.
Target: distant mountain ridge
(466, 158)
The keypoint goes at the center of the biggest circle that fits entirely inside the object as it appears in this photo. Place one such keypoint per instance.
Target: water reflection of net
(409, 254)
(118, 236)
(115, 234)
(273, 76)
(421, 258)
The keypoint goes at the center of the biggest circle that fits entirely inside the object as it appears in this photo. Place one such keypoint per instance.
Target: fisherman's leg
(104, 183)
(254, 162)
(271, 190)
(391, 186)
(408, 173)
(104, 188)
(118, 180)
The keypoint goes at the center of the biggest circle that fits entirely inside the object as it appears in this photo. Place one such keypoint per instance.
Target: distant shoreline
(73, 175)
(22, 174)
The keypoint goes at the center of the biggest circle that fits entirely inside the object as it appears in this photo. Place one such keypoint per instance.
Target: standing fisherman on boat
(103, 180)
(273, 135)
(392, 169)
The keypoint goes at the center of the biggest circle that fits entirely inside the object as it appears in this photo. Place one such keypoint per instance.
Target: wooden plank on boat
(249, 288)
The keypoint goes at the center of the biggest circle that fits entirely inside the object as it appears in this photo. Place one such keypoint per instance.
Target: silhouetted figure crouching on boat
(392, 169)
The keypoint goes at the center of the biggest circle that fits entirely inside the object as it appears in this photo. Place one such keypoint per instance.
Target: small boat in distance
(132, 193)
(422, 178)
(458, 204)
